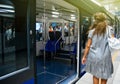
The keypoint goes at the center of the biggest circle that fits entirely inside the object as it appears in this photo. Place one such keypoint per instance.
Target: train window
(0, 42)
(9, 31)
(85, 27)
(39, 31)
(13, 37)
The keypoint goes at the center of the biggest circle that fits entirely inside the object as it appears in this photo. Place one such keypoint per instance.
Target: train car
(44, 42)
(84, 12)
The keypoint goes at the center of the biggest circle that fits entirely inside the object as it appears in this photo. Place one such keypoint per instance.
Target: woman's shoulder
(92, 30)
(90, 34)
(110, 27)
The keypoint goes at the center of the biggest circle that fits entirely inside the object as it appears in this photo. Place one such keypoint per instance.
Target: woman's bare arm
(89, 42)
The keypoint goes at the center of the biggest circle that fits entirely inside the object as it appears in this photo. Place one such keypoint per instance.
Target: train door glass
(85, 23)
(0, 43)
(85, 28)
(39, 31)
(119, 29)
(39, 37)
(57, 58)
(13, 38)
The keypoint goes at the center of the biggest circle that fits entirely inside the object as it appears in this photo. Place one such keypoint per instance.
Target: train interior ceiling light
(56, 9)
(6, 6)
(7, 10)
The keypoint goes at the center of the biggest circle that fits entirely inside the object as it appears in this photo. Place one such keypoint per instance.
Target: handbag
(113, 42)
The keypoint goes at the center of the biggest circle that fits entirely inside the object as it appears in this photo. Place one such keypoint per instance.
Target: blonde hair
(100, 16)
(100, 23)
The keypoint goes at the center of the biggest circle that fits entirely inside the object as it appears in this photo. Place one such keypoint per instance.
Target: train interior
(56, 41)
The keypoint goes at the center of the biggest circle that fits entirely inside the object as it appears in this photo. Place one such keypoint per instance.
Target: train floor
(87, 78)
(53, 71)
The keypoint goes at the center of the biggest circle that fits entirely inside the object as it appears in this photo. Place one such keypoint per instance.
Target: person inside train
(58, 28)
(97, 55)
(72, 30)
(66, 30)
(51, 33)
(50, 28)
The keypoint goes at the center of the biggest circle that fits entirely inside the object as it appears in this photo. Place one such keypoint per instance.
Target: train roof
(85, 5)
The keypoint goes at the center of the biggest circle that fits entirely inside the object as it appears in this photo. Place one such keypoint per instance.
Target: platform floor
(87, 78)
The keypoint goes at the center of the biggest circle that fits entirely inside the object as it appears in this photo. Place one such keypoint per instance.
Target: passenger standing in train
(72, 31)
(66, 29)
(97, 55)
(58, 28)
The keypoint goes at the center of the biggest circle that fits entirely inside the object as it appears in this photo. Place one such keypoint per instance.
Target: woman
(97, 55)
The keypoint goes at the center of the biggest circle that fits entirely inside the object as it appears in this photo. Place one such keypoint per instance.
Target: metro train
(44, 42)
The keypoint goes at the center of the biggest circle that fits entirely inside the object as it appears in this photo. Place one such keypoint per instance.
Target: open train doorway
(57, 27)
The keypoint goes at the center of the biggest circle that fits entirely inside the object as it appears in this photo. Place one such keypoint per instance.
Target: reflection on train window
(13, 37)
(0, 42)
(7, 38)
(9, 31)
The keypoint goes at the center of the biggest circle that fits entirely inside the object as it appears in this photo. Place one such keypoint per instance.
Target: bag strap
(108, 31)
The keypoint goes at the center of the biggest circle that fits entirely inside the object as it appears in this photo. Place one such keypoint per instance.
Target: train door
(116, 27)
(86, 20)
(119, 28)
(16, 65)
(57, 51)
